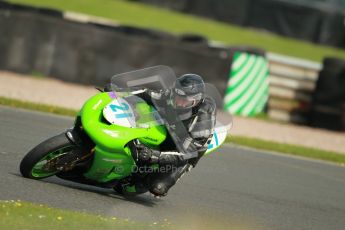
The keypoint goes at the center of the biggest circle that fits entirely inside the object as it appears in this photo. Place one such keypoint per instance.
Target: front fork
(78, 136)
(85, 145)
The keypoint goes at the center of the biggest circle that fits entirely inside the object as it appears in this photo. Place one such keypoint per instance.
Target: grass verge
(37, 107)
(23, 215)
(142, 15)
(238, 140)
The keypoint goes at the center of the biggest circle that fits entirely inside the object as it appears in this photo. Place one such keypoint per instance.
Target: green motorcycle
(96, 150)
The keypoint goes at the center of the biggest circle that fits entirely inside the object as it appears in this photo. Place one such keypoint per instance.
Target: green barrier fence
(247, 91)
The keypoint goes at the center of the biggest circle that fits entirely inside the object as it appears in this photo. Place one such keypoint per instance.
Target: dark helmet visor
(185, 102)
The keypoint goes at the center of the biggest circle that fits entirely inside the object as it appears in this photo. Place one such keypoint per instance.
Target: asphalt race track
(233, 186)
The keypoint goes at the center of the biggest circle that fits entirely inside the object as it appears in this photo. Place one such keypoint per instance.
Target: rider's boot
(160, 183)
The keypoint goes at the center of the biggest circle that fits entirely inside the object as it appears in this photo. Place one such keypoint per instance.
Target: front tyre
(41, 161)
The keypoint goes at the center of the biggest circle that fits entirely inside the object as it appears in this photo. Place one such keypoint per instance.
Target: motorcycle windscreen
(123, 109)
(162, 79)
(154, 78)
(158, 79)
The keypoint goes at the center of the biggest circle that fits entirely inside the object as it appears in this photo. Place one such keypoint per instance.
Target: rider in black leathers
(192, 116)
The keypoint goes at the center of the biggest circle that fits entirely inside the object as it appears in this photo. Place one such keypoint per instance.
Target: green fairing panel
(110, 166)
(113, 159)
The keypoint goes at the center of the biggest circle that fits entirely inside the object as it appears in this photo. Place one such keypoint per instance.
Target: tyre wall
(328, 106)
(40, 41)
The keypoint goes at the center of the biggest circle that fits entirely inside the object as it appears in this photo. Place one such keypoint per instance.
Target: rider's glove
(144, 154)
(147, 155)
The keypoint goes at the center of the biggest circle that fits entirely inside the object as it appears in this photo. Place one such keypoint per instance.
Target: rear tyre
(39, 162)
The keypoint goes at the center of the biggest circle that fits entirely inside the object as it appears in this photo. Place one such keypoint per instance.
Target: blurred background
(276, 60)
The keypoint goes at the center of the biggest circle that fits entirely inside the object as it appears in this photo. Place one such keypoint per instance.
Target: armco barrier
(80, 49)
(88, 50)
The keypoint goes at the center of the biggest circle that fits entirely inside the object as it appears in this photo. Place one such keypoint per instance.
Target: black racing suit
(196, 131)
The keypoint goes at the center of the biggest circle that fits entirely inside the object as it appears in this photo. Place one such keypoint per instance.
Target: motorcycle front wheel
(40, 162)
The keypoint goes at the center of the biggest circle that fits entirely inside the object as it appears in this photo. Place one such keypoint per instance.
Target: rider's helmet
(188, 91)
